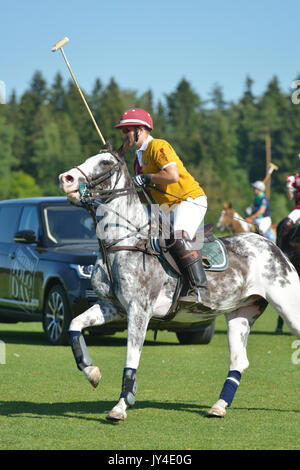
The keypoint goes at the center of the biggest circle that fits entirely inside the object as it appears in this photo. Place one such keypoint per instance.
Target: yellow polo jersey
(158, 154)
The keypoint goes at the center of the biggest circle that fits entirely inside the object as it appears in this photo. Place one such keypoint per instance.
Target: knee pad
(129, 386)
(81, 355)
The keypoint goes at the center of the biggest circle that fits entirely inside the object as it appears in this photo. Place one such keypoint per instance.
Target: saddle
(214, 253)
(214, 258)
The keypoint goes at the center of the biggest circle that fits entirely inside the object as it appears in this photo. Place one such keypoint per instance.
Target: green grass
(46, 403)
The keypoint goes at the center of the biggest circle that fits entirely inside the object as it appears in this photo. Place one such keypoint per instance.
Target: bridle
(90, 197)
(87, 191)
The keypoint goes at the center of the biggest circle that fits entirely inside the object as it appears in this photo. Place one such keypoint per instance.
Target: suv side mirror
(25, 236)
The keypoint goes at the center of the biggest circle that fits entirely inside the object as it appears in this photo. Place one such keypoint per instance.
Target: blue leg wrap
(129, 386)
(230, 386)
(79, 349)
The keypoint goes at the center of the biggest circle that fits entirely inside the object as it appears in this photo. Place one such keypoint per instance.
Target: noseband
(87, 190)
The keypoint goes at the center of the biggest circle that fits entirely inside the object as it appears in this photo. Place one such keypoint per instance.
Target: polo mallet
(272, 167)
(56, 47)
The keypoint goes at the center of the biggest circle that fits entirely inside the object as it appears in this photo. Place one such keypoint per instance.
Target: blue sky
(152, 45)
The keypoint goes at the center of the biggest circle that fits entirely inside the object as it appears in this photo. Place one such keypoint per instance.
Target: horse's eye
(106, 162)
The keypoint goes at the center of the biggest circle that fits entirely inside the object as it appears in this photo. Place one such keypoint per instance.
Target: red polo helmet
(135, 117)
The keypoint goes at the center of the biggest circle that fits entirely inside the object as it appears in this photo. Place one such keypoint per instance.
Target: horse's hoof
(216, 411)
(93, 375)
(116, 415)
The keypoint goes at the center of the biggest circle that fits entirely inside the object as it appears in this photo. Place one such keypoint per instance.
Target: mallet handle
(83, 98)
(59, 46)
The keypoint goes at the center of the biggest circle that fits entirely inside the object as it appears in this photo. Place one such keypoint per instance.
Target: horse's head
(102, 172)
(226, 218)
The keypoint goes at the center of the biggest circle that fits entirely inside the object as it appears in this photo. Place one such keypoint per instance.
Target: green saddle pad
(215, 256)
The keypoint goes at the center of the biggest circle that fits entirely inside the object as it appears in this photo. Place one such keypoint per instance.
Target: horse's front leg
(100, 313)
(238, 330)
(138, 320)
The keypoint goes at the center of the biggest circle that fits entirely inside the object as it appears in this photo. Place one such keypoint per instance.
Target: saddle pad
(216, 255)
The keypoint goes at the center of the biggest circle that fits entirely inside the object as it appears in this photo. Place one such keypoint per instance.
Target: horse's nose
(66, 178)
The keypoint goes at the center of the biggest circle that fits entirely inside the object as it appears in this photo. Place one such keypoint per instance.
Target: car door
(9, 218)
(24, 265)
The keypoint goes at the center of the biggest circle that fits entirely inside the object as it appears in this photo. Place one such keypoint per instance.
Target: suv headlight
(83, 271)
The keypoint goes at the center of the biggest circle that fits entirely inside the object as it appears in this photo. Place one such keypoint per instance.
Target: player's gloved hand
(142, 180)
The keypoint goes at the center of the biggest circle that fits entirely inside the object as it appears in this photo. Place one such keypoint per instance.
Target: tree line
(223, 144)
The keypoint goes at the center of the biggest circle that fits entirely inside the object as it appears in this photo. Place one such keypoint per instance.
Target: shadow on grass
(24, 337)
(80, 410)
(39, 338)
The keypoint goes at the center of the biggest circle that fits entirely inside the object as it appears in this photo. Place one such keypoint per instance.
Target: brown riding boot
(190, 260)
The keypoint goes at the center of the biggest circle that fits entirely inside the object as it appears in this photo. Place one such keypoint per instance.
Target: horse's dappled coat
(143, 287)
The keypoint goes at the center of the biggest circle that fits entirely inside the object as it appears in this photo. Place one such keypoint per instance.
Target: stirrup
(194, 296)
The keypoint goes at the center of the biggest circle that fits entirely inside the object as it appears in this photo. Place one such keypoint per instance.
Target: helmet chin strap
(136, 135)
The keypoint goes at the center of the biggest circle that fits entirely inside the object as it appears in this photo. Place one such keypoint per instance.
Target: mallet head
(272, 165)
(60, 44)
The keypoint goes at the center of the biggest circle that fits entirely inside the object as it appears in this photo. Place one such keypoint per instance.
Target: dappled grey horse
(132, 283)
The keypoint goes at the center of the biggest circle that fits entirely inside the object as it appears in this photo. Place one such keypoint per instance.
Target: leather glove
(142, 180)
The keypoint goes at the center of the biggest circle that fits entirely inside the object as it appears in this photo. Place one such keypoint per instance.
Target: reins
(90, 197)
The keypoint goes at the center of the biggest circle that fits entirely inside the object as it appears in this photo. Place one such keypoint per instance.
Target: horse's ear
(225, 205)
(229, 205)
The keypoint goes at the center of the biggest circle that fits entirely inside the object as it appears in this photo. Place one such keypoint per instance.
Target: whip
(153, 186)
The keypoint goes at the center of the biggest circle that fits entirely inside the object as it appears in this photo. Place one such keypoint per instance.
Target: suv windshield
(65, 224)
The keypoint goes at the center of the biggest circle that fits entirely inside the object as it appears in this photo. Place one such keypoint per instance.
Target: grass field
(46, 403)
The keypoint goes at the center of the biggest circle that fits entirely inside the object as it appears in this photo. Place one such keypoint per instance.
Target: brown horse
(231, 221)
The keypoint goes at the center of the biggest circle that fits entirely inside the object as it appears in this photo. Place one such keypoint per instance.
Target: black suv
(48, 247)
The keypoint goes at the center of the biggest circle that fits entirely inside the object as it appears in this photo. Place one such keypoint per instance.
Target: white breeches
(294, 215)
(263, 224)
(189, 215)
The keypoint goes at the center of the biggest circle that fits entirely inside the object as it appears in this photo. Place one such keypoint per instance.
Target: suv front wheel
(56, 316)
(202, 335)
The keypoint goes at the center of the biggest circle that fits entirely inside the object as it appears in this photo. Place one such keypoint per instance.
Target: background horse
(292, 250)
(131, 282)
(231, 221)
(292, 245)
